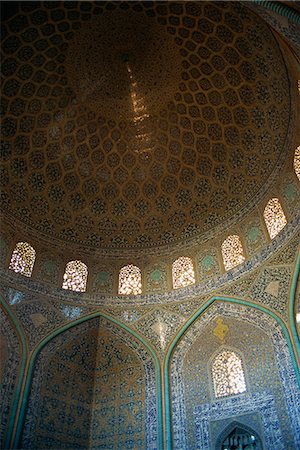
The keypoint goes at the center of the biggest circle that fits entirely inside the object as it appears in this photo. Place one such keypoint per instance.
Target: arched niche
(93, 386)
(273, 395)
(10, 361)
(238, 434)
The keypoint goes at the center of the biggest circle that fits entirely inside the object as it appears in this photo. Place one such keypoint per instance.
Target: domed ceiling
(137, 124)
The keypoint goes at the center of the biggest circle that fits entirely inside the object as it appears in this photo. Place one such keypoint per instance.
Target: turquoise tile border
(20, 375)
(20, 399)
(292, 306)
(167, 361)
(29, 374)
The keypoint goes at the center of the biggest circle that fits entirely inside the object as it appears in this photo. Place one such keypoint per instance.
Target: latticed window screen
(228, 374)
(274, 217)
(297, 162)
(130, 280)
(183, 272)
(232, 252)
(75, 277)
(22, 259)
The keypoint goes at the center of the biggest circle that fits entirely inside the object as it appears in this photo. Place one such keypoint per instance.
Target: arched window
(297, 162)
(183, 272)
(274, 217)
(22, 259)
(75, 276)
(232, 252)
(130, 280)
(228, 375)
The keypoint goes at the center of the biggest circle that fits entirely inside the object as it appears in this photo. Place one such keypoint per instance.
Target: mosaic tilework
(284, 26)
(219, 428)
(3, 250)
(253, 235)
(275, 251)
(271, 348)
(72, 312)
(291, 194)
(38, 319)
(62, 389)
(229, 103)
(187, 308)
(271, 289)
(9, 366)
(236, 407)
(118, 382)
(127, 411)
(156, 278)
(12, 296)
(67, 312)
(288, 255)
(127, 315)
(132, 426)
(102, 280)
(197, 386)
(49, 271)
(208, 263)
(242, 287)
(159, 327)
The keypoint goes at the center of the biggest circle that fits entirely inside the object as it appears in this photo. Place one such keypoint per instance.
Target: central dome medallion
(119, 63)
(171, 119)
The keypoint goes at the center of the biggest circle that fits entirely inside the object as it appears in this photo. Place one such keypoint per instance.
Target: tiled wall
(10, 355)
(91, 390)
(272, 392)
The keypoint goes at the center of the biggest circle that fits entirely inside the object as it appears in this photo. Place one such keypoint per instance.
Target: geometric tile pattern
(9, 365)
(281, 251)
(271, 288)
(263, 403)
(181, 141)
(38, 319)
(268, 369)
(102, 382)
(188, 307)
(159, 327)
(289, 253)
(242, 287)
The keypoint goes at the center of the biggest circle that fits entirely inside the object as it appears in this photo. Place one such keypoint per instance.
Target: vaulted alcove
(149, 225)
(93, 385)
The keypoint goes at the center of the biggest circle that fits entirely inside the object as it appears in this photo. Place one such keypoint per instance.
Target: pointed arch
(292, 304)
(30, 369)
(231, 427)
(280, 325)
(20, 376)
(22, 259)
(274, 217)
